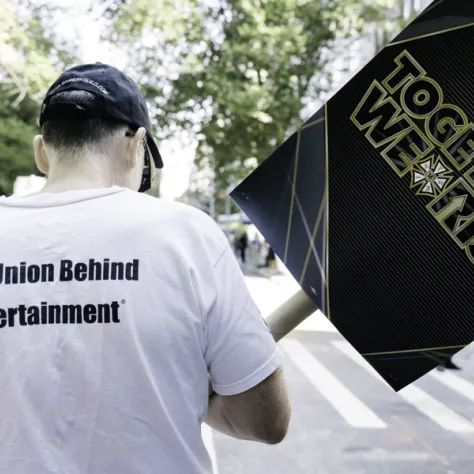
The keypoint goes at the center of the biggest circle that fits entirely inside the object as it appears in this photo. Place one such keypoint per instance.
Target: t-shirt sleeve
(240, 350)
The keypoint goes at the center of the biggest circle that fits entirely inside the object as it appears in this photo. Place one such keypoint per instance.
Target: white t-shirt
(114, 306)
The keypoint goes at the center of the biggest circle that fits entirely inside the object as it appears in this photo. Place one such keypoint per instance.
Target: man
(243, 244)
(271, 257)
(116, 306)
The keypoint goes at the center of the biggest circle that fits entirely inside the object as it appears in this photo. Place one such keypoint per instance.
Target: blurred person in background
(271, 258)
(243, 244)
(119, 311)
(448, 364)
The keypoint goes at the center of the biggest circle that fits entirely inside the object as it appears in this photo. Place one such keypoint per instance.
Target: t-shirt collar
(58, 199)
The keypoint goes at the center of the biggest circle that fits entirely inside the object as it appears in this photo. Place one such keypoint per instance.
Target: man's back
(113, 308)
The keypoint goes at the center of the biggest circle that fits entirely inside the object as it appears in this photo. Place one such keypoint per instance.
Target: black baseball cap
(119, 99)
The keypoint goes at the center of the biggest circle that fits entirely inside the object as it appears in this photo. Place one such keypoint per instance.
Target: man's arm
(260, 414)
(241, 354)
(218, 420)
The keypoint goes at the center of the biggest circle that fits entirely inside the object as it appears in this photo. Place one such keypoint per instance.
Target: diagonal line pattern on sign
(313, 238)
(326, 126)
(414, 350)
(308, 232)
(308, 125)
(430, 34)
(293, 192)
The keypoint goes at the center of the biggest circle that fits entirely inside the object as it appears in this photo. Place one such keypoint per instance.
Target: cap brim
(154, 152)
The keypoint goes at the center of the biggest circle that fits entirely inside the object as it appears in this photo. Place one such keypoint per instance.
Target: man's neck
(84, 175)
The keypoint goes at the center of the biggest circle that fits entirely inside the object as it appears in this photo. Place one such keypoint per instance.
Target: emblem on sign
(429, 140)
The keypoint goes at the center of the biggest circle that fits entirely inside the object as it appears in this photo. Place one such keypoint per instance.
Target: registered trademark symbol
(123, 301)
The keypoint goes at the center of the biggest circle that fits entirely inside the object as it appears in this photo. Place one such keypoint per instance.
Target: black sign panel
(371, 203)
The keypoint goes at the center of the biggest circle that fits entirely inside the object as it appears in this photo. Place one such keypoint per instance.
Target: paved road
(346, 420)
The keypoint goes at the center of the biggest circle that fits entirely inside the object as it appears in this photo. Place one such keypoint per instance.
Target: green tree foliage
(235, 73)
(387, 18)
(31, 57)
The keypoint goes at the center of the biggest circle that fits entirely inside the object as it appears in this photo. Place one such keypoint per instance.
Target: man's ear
(41, 157)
